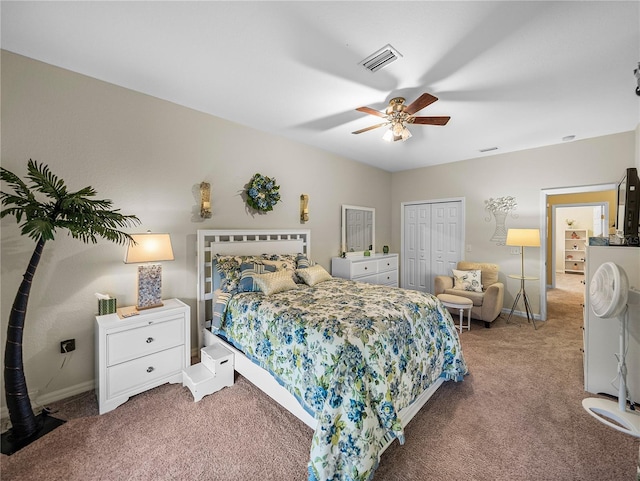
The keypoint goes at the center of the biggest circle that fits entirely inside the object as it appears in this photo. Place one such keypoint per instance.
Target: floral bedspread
(354, 355)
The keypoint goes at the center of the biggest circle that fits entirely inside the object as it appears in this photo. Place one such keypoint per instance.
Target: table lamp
(149, 249)
(523, 238)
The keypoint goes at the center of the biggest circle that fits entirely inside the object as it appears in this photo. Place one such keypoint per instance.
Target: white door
(432, 242)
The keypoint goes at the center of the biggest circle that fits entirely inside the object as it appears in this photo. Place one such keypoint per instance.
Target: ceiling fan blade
(420, 103)
(431, 120)
(369, 128)
(370, 111)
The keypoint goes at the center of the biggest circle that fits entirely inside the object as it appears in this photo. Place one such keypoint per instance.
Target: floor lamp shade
(147, 250)
(523, 237)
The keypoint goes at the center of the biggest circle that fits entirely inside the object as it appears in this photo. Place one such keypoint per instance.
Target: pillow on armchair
(467, 280)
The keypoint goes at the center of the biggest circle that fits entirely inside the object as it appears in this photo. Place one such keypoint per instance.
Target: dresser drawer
(388, 278)
(144, 370)
(388, 264)
(364, 268)
(372, 279)
(141, 341)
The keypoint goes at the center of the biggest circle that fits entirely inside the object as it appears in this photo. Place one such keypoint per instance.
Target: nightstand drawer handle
(149, 340)
(150, 369)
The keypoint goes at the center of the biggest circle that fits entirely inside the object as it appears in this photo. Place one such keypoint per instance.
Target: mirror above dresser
(358, 229)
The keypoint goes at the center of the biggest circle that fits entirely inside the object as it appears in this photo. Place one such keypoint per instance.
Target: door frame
(544, 194)
(554, 234)
(430, 201)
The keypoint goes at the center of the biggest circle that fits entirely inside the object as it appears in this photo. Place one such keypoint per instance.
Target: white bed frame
(256, 242)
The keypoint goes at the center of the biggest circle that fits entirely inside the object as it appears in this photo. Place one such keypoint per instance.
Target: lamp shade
(523, 237)
(149, 248)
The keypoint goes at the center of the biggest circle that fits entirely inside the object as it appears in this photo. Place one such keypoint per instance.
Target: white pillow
(467, 280)
(313, 275)
(275, 282)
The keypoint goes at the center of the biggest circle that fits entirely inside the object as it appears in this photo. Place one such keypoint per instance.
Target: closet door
(446, 238)
(432, 242)
(417, 249)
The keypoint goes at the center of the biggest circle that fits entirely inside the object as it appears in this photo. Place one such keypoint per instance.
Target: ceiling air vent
(381, 58)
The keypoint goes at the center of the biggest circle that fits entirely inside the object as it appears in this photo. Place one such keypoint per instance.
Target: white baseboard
(38, 402)
(506, 312)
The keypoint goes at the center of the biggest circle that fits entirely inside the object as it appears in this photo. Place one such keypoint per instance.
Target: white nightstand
(140, 352)
(214, 372)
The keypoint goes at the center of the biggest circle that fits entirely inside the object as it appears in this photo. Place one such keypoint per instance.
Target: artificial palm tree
(84, 218)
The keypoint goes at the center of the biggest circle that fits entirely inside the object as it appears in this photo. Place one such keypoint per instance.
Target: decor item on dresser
(85, 218)
(149, 249)
(205, 200)
(524, 238)
(262, 193)
(488, 302)
(312, 361)
(137, 351)
(500, 207)
(358, 229)
(304, 208)
(373, 269)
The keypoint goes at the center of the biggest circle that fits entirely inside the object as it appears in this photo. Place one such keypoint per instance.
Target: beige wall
(148, 156)
(522, 174)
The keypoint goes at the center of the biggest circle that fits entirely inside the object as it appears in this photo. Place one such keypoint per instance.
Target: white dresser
(374, 269)
(140, 352)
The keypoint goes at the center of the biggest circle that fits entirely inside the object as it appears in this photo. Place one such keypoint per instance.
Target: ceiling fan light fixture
(406, 134)
(388, 135)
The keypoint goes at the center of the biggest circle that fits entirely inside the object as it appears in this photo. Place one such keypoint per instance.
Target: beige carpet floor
(518, 415)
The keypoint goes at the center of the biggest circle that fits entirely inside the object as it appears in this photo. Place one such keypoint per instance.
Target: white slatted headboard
(239, 242)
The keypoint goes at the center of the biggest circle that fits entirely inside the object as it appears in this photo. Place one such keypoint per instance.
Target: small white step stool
(214, 372)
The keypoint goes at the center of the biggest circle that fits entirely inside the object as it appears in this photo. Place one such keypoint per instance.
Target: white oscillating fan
(608, 295)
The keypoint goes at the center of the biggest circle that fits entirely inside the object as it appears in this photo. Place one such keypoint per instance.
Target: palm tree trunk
(23, 419)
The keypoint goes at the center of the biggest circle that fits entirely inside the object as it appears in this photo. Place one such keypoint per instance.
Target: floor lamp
(523, 238)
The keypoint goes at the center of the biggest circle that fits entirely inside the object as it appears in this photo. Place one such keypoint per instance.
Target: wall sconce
(205, 200)
(304, 208)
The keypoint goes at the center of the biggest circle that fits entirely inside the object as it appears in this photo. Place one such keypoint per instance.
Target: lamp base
(142, 308)
(149, 286)
(609, 413)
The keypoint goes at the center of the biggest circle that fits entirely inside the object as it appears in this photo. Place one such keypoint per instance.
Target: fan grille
(608, 290)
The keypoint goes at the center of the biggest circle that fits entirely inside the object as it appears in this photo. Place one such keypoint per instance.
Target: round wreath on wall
(262, 193)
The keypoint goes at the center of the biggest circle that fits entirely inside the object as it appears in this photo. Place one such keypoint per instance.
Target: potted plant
(41, 205)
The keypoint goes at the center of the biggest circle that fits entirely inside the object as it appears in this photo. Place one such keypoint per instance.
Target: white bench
(461, 303)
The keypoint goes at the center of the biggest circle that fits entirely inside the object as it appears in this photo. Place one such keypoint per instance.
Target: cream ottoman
(461, 303)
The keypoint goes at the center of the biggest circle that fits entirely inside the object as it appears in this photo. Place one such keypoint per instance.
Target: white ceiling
(512, 75)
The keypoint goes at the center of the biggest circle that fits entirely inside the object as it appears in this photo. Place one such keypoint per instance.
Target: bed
(353, 361)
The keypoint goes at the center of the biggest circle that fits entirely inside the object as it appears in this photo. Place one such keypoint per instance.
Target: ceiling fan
(398, 115)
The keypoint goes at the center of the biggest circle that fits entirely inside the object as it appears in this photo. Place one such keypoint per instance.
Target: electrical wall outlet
(67, 346)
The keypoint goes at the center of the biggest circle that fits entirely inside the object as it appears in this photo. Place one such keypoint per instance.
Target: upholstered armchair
(487, 304)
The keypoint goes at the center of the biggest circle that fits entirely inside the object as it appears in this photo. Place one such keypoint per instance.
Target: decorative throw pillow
(229, 269)
(313, 275)
(274, 282)
(302, 261)
(248, 271)
(467, 280)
